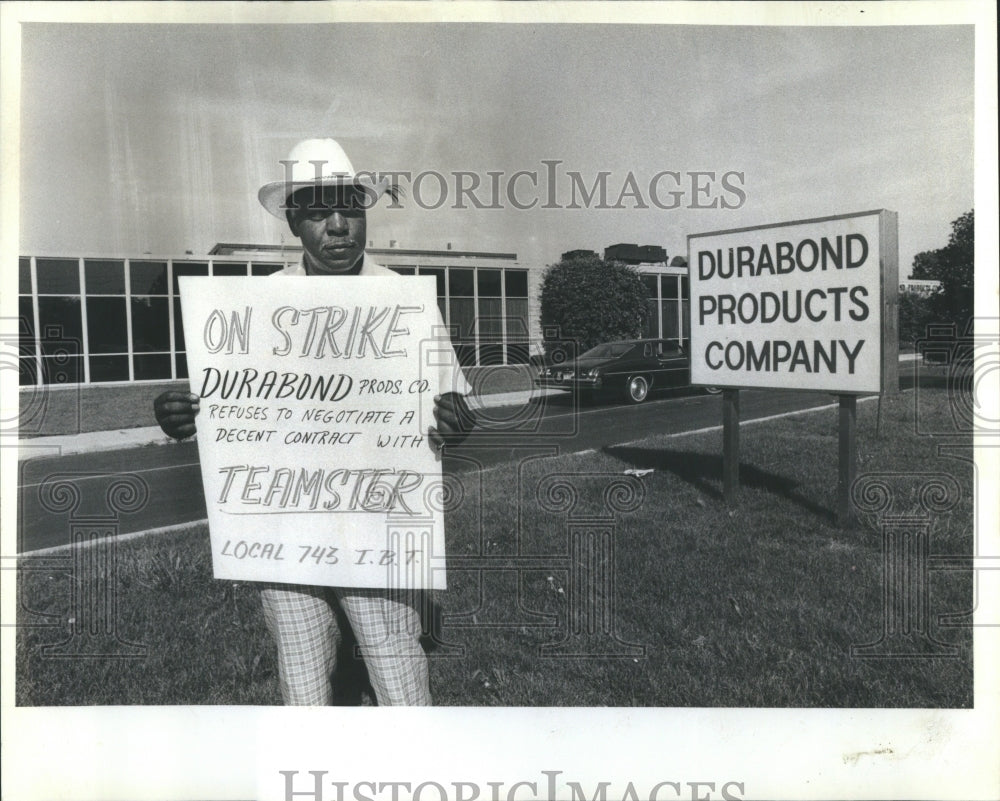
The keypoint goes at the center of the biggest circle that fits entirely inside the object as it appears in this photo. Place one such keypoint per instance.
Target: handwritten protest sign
(316, 396)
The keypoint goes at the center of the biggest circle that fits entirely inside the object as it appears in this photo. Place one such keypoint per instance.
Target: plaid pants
(303, 623)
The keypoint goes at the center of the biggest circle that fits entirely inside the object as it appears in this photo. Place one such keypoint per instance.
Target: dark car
(630, 369)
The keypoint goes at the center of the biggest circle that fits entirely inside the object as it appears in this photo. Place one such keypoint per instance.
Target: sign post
(730, 445)
(847, 457)
(812, 305)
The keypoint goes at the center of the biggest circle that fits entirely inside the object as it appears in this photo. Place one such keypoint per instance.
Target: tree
(915, 313)
(926, 266)
(590, 301)
(954, 266)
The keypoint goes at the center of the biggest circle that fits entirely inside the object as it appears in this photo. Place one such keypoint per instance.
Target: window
(148, 367)
(466, 353)
(610, 350)
(150, 324)
(58, 276)
(490, 319)
(670, 318)
(60, 325)
(490, 330)
(27, 369)
(104, 277)
(27, 373)
(62, 369)
(462, 282)
(26, 326)
(60, 320)
(24, 276)
(490, 283)
(463, 315)
(516, 323)
(463, 326)
(517, 318)
(106, 325)
(108, 368)
(516, 283)
(148, 277)
(110, 319)
(652, 326)
(178, 326)
(229, 268)
(667, 349)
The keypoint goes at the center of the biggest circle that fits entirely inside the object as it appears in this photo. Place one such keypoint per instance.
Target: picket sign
(316, 395)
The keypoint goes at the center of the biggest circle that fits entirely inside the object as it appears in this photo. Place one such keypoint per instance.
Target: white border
(211, 752)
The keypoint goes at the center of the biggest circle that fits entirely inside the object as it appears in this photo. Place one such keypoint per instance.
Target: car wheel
(637, 389)
(713, 390)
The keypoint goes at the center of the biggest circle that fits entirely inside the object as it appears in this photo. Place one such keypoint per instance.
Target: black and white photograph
(642, 429)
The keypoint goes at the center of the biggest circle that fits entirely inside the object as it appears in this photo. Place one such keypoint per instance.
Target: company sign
(804, 305)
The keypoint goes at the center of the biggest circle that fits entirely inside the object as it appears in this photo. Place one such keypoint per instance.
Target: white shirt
(368, 267)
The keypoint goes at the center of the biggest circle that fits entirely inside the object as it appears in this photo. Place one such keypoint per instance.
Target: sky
(156, 138)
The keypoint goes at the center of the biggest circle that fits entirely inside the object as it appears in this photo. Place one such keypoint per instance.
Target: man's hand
(454, 420)
(175, 412)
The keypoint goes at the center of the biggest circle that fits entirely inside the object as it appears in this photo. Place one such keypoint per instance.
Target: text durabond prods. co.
(789, 305)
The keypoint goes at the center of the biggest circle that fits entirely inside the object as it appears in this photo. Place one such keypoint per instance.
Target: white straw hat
(316, 162)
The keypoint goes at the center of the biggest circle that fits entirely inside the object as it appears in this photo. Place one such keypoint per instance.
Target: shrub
(590, 301)
(915, 312)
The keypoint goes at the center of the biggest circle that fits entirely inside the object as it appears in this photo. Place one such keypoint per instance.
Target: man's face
(331, 225)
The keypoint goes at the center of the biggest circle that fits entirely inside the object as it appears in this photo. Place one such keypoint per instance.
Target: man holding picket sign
(324, 202)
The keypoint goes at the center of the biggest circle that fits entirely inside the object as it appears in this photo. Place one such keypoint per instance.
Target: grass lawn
(756, 605)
